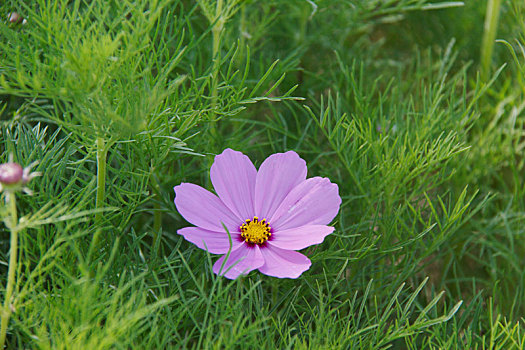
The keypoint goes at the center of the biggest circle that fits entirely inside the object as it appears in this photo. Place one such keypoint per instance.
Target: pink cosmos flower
(269, 214)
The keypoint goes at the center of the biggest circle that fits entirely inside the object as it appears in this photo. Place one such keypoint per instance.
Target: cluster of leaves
(382, 96)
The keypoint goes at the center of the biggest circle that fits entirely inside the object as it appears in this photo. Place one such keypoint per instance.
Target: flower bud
(11, 174)
(15, 18)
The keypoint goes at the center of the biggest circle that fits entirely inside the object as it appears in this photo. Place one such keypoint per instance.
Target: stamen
(255, 231)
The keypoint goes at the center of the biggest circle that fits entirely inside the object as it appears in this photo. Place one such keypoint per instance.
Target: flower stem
(157, 219)
(216, 56)
(217, 33)
(101, 176)
(157, 213)
(6, 311)
(489, 35)
(243, 35)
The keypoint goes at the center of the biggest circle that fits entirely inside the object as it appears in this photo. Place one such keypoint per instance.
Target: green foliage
(119, 101)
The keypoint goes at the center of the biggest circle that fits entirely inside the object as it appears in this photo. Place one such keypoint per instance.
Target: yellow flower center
(255, 231)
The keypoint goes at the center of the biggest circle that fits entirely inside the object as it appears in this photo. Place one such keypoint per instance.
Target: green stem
(157, 219)
(217, 33)
(216, 54)
(489, 35)
(101, 176)
(157, 214)
(6, 312)
(216, 67)
(243, 33)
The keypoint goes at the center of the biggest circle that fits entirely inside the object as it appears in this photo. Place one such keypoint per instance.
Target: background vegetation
(410, 106)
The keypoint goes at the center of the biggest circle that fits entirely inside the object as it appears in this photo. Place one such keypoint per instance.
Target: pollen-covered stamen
(255, 231)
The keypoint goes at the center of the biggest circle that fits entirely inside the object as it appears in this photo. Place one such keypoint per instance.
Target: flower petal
(241, 261)
(277, 176)
(315, 201)
(212, 241)
(283, 263)
(233, 177)
(300, 237)
(204, 209)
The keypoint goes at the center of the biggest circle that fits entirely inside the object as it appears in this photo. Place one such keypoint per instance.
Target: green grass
(410, 106)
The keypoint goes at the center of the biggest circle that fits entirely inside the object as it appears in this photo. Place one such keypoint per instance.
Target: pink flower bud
(11, 174)
(14, 17)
